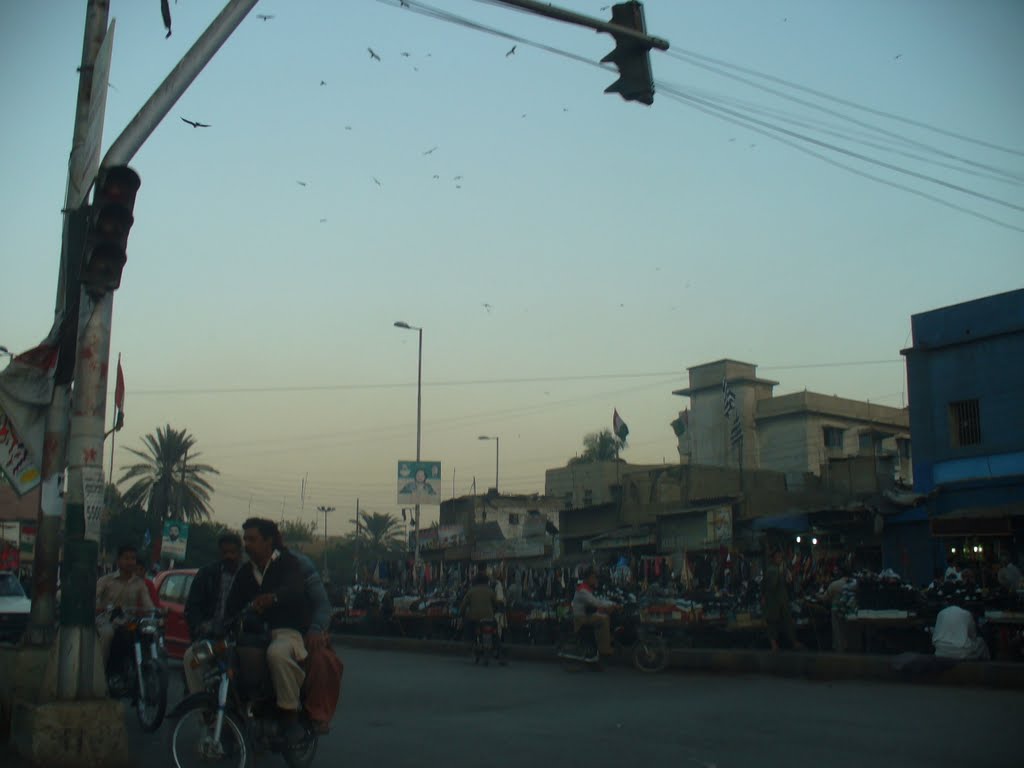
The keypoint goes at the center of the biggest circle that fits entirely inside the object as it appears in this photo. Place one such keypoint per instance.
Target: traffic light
(110, 220)
(632, 57)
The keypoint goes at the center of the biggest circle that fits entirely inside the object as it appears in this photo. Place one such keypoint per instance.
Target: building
(494, 526)
(965, 373)
(795, 434)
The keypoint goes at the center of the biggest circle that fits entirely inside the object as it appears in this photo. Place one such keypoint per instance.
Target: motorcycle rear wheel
(303, 756)
(192, 739)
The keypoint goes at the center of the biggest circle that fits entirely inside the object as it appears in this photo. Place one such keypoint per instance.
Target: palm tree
(382, 532)
(168, 481)
(599, 446)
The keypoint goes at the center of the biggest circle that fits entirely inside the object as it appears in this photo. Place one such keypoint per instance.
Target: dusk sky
(575, 254)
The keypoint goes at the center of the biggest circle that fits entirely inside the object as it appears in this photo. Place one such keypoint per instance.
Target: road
(402, 710)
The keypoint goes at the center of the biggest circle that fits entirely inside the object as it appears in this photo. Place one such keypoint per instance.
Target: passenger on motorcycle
(207, 601)
(585, 611)
(119, 590)
(478, 605)
(272, 584)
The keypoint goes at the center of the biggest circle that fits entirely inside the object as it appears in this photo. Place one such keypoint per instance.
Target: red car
(172, 588)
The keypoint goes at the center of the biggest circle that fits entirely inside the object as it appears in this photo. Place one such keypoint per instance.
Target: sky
(592, 250)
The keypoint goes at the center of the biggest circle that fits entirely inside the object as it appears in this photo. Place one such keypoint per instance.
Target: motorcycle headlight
(149, 629)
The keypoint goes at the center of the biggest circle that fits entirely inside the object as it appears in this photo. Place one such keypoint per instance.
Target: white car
(14, 608)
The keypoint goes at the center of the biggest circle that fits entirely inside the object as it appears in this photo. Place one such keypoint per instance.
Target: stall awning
(795, 523)
(637, 536)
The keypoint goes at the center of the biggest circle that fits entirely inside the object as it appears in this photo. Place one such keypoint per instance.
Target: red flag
(119, 387)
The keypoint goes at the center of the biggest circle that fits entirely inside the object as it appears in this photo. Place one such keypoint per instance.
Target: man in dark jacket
(207, 601)
(272, 584)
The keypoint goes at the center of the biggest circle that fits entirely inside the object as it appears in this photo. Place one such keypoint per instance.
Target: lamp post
(419, 403)
(497, 454)
(324, 511)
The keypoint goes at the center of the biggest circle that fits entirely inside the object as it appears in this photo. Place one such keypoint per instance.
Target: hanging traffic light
(631, 56)
(110, 220)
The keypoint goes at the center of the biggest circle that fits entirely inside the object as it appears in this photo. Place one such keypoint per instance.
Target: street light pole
(325, 510)
(497, 454)
(419, 412)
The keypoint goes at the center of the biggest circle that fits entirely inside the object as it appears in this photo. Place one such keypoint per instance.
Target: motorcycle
(485, 642)
(235, 717)
(647, 649)
(141, 675)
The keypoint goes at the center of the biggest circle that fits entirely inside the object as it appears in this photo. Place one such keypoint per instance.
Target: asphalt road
(401, 710)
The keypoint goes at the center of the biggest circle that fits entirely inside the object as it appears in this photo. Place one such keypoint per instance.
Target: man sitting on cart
(586, 607)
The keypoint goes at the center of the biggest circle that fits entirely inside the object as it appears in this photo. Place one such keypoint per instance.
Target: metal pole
(497, 454)
(177, 82)
(54, 459)
(419, 405)
(600, 25)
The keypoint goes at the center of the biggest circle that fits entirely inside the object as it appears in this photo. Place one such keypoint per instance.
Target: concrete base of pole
(71, 734)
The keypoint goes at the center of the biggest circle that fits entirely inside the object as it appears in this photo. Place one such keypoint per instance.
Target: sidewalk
(810, 665)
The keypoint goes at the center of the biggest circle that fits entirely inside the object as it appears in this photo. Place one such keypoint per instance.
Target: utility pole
(324, 510)
(54, 459)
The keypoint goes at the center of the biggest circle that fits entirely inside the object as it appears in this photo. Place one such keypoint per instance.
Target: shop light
(814, 542)
(797, 539)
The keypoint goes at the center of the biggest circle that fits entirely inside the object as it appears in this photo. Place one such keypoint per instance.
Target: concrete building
(499, 526)
(966, 383)
(794, 434)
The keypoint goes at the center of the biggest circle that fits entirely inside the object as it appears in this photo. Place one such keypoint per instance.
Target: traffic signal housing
(632, 57)
(110, 220)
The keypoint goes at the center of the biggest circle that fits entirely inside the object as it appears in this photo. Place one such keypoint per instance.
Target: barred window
(964, 423)
(833, 437)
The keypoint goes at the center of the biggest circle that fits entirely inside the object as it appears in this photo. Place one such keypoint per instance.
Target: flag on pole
(619, 426)
(736, 433)
(119, 397)
(681, 424)
(728, 399)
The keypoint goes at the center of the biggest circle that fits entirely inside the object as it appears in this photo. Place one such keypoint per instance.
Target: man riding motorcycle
(478, 605)
(119, 590)
(272, 584)
(207, 601)
(585, 611)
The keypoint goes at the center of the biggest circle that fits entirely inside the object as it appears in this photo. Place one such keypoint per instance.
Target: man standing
(585, 607)
(207, 601)
(832, 594)
(1009, 575)
(272, 584)
(121, 589)
(775, 597)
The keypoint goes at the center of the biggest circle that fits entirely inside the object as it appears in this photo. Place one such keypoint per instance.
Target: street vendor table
(873, 623)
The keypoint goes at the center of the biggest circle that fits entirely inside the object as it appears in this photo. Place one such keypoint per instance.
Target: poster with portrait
(175, 541)
(419, 482)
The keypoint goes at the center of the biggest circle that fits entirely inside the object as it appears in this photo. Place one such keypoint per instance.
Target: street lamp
(419, 405)
(497, 453)
(324, 511)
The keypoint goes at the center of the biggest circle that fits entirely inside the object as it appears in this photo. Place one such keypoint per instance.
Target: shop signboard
(508, 549)
(720, 525)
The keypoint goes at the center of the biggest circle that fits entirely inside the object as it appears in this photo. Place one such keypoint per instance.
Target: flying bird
(165, 10)
(436, 176)
(302, 183)
(194, 124)
(376, 181)
(348, 127)
(405, 54)
(511, 51)
(457, 178)
(488, 307)
(323, 82)
(323, 221)
(430, 151)
(898, 56)
(264, 16)
(373, 54)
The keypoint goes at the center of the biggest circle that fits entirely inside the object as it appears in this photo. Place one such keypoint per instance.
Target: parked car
(14, 608)
(172, 588)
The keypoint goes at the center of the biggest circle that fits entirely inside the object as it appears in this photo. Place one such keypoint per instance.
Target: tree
(169, 481)
(599, 446)
(295, 531)
(381, 534)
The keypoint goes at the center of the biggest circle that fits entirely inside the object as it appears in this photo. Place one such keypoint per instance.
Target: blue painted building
(965, 374)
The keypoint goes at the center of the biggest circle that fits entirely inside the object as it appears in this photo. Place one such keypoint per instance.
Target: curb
(916, 669)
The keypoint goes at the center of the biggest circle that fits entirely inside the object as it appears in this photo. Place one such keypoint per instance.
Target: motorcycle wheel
(151, 708)
(303, 756)
(192, 741)
(650, 654)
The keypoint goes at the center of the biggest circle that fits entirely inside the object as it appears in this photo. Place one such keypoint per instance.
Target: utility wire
(682, 53)
(737, 119)
(834, 113)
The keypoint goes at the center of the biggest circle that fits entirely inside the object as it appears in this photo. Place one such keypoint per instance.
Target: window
(513, 518)
(964, 423)
(833, 437)
(173, 589)
(588, 497)
(866, 443)
(903, 447)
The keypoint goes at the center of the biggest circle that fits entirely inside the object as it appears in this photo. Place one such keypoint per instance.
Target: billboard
(175, 541)
(419, 482)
